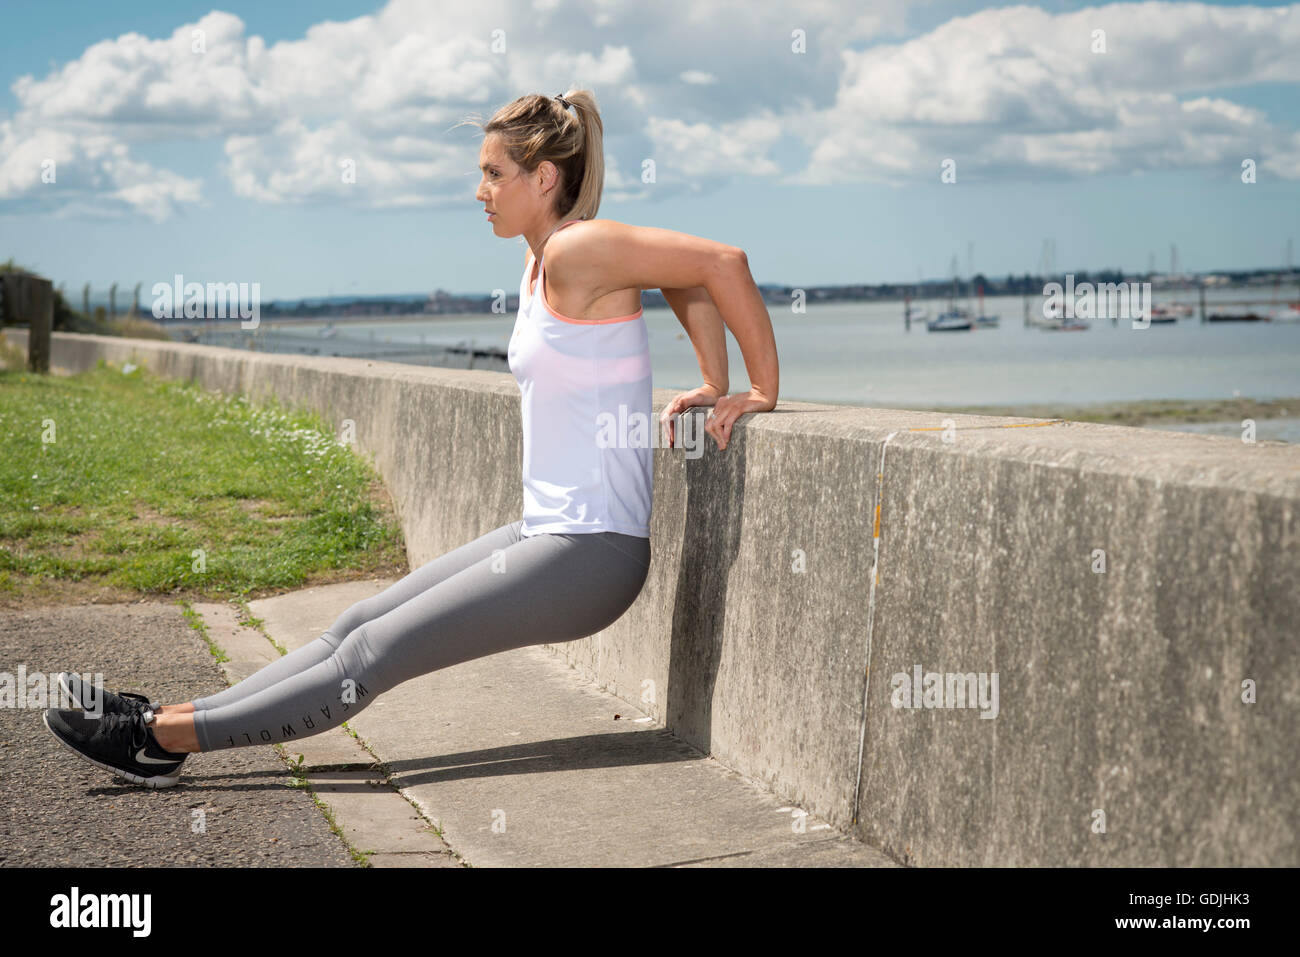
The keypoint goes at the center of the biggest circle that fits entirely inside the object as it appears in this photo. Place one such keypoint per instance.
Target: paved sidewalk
(519, 761)
(509, 760)
(57, 809)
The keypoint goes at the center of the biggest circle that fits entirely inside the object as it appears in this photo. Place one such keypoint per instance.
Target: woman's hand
(729, 408)
(726, 410)
(704, 395)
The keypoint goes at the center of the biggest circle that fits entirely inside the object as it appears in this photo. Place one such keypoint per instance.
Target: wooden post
(1203, 302)
(40, 324)
(29, 300)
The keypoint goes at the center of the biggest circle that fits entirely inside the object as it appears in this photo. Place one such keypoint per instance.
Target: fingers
(718, 420)
(679, 404)
(724, 430)
(671, 410)
(719, 426)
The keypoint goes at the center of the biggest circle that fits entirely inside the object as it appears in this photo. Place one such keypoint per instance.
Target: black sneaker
(95, 700)
(121, 743)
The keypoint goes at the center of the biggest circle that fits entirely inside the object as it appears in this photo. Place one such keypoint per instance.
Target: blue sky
(823, 165)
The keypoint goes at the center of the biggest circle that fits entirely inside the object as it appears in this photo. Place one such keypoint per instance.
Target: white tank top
(585, 398)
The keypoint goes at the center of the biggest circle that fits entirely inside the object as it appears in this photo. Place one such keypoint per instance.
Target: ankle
(186, 708)
(174, 734)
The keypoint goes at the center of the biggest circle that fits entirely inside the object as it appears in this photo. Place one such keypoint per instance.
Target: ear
(549, 176)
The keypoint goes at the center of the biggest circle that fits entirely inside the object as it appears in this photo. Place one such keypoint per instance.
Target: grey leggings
(498, 592)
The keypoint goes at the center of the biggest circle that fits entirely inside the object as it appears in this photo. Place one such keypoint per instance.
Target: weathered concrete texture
(1119, 692)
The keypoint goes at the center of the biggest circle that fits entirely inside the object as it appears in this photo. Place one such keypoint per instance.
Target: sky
(206, 139)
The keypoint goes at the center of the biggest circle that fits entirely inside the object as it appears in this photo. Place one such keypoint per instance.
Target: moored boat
(1258, 313)
(952, 320)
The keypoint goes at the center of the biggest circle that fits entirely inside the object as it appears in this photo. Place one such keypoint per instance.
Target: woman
(579, 556)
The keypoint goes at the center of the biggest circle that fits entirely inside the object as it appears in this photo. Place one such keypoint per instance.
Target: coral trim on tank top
(540, 285)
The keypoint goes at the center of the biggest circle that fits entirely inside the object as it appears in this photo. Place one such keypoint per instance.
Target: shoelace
(113, 728)
(127, 699)
(136, 702)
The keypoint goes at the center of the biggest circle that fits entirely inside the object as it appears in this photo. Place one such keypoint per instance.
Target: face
(519, 202)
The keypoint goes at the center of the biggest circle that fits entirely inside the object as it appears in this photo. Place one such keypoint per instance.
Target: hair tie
(563, 102)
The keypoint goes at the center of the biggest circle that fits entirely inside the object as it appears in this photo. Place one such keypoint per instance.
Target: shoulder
(614, 255)
(578, 252)
(588, 234)
(589, 245)
(612, 240)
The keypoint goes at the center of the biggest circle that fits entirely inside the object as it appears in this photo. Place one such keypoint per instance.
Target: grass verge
(117, 485)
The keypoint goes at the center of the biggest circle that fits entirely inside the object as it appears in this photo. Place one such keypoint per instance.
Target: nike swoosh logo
(142, 759)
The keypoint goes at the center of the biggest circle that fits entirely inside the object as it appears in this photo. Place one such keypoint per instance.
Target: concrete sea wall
(1122, 604)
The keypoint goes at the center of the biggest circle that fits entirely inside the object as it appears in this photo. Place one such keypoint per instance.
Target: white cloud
(54, 168)
(142, 87)
(704, 151)
(296, 163)
(1016, 90)
(709, 91)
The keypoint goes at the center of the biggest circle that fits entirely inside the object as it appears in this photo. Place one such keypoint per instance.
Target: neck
(540, 244)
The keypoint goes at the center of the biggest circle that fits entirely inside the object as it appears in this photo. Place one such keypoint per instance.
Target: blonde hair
(536, 128)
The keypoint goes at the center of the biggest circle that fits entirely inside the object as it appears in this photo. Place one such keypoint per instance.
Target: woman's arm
(617, 256)
(746, 316)
(697, 312)
(700, 318)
